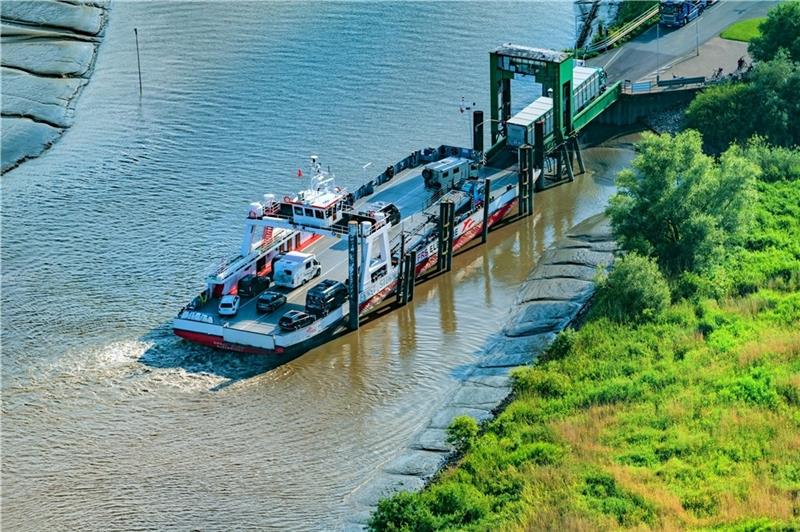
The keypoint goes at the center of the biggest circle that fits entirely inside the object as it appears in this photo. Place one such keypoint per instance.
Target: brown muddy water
(111, 422)
(154, 433)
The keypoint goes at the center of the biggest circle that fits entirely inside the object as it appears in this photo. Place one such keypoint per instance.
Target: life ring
(454, 151)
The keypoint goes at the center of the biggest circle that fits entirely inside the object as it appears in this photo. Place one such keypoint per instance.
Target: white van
(295, 269)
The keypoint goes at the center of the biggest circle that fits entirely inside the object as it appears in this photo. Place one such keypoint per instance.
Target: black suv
(252, 284)
(270, 301)
(295, 319)
(325, 297)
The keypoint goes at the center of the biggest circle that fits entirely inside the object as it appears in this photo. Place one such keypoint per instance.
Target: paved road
(642, 56)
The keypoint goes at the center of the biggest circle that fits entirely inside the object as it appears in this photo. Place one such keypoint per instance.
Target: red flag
(299, 173)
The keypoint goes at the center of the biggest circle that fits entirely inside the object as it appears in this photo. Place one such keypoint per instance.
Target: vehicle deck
(407, 191)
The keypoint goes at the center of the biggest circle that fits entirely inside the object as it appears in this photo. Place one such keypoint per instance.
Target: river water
(109, 421)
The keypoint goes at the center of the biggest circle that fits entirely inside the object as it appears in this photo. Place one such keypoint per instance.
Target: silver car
(228, 305)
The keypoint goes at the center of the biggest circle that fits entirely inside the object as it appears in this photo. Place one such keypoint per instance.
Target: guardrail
(623, 32)
(661, 85)
(679, 82)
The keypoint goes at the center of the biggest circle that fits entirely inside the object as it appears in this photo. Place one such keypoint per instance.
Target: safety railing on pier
(617, 36)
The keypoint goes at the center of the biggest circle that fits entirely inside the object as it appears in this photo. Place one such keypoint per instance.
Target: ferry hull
(218, 342)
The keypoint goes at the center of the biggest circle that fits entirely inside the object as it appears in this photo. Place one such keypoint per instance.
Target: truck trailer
(676, 13)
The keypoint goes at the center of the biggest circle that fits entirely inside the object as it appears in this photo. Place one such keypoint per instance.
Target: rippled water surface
(109, 421)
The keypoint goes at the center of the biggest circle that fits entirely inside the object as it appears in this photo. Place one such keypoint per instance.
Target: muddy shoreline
(49, 52)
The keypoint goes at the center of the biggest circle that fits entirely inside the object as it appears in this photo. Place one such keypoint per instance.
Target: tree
(679, 205)
(781, 30)
(765, 105)
(635, 290)
(721, 113)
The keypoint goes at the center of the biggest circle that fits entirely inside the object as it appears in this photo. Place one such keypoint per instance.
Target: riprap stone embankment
(49, 50)
(554, 295)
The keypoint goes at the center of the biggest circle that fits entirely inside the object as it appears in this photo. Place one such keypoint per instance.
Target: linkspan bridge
(547, 156)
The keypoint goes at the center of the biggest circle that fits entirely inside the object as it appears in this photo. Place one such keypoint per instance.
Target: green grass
(690, 420)
(744, 30)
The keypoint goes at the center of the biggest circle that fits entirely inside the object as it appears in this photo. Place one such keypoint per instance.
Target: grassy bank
(744, 30)
(689, 420)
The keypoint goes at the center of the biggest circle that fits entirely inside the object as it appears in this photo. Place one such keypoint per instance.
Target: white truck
(295, 269)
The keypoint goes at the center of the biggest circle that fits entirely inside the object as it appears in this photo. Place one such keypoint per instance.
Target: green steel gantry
(553, 70)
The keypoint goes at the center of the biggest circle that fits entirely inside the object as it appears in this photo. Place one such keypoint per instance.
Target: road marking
(613, 58)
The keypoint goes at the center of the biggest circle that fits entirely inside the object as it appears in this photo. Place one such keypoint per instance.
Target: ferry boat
(315, 221)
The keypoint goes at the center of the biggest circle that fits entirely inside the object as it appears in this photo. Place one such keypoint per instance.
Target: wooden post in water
(525, 180)
(567, 156)
(138, 60)
(411, 275)
(352, 264)
(577, 147)
(445, 245)
(487, 198)
(477, 131)
(538, 152)
(400, 290)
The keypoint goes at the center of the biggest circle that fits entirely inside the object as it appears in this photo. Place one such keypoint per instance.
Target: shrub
(635, 290)
(755, 387)
(602, 493)
(457, 503)
(541, 382)
(539, 453)
(700, 503)
(720, 113)
(561, 346)
(776, 163)
(462, 432)
(402, 512)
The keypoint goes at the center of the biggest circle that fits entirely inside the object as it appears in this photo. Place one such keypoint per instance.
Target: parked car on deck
(228, 305)
(325, 297)
(295, 319)
(252, 284)
(270, 301)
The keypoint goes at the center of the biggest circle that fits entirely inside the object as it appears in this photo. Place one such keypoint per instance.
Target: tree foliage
(635, 290)
(780, 31)
(679, 205)
(765, 105)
